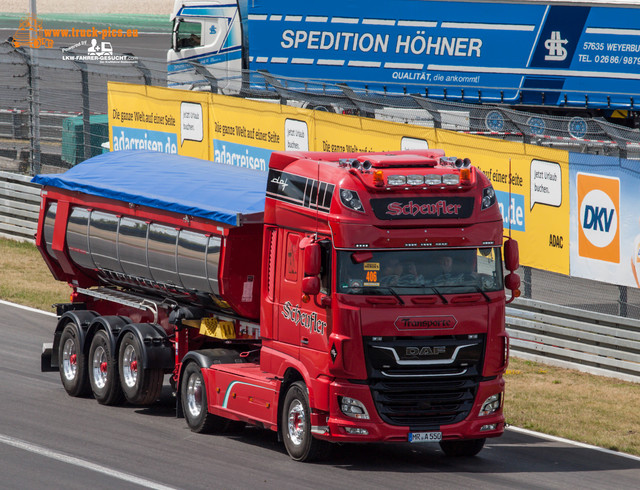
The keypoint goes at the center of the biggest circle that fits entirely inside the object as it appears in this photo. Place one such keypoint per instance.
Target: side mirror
(511, 255)
(512, 281)
(311, 285)
(312, 262)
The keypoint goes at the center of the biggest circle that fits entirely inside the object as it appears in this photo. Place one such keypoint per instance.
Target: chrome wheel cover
(129, 366)
(69, 366)
(98, 367)
(296, 422)
(194, 395)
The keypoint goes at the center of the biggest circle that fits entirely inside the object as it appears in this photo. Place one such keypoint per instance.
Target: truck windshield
(420, 271)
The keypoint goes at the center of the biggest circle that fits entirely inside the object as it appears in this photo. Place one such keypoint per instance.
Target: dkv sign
(599, 226)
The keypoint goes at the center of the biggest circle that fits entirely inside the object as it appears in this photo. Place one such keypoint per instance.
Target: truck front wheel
(140, 386)
(193, 395)
(296, 426)
(73, 371)
(103, 371)
(469, 447)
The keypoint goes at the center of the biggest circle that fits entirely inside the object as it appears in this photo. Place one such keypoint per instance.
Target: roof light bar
(451, 179)
(396, 180)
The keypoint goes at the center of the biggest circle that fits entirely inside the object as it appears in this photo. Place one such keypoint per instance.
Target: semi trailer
(335, 298)
(565, 58)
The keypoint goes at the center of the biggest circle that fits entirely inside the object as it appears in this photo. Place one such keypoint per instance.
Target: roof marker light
(378, 178)
(465, 175)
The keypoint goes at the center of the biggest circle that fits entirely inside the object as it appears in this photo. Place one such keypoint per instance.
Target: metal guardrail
(588, 341)
(19, 207)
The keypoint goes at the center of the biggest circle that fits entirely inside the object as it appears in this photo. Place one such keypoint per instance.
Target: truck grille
(424, 382)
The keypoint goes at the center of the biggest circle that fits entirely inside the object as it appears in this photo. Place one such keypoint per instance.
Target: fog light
(357, 431)
(491, 405)
(488, 427)
(353, 408)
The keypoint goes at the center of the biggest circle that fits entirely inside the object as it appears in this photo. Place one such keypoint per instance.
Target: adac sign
(599, 218)
(427, 321)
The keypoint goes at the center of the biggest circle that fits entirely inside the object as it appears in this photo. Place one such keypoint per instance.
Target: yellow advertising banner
(155, 118)
(339, 133)
(245, 133)
(241, 132)
(534, 201)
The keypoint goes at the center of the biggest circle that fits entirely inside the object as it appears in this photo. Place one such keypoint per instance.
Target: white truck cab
(208, 33)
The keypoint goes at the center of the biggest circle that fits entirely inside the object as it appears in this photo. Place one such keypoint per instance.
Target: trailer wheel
(140, 386)
(73, 372)
(103, 371)
(193, 393)
(296, 426)
(467, 448)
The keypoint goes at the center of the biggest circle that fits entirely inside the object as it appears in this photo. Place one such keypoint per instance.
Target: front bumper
(334, 426)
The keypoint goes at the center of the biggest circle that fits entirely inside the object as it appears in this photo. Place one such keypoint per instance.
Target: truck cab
(383, 283)
(209, 34)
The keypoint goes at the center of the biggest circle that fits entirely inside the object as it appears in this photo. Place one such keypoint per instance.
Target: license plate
(425, 436)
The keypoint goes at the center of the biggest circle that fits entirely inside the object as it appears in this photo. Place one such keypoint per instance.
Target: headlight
(488, 197)
(351, 200)
(353, 408)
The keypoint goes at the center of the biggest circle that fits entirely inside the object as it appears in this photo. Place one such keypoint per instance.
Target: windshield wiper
(474, 286)
(391, 290)
(444, 300)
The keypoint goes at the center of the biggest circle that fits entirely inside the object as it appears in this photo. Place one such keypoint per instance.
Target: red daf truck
(336, 298)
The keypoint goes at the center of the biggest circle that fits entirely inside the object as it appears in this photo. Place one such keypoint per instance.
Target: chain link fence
(71, 100)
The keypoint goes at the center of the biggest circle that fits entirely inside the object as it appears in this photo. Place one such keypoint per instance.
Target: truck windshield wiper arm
(391, 290)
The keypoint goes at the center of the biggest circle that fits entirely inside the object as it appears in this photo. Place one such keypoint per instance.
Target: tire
(140, 386)
(193, 395)
(296, 426)
(73, 371)
(466, 448)
(103, 371)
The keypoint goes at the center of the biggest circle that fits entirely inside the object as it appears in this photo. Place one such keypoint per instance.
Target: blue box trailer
(527, 53)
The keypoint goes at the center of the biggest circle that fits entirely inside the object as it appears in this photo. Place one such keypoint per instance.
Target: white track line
(82, 463)
(572, 443)
(27, 308)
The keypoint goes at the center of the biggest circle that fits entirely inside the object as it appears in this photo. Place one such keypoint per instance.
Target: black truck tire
(103, 371)
(465, 448)
(193, 395)
(73, 370)
(140, 386)
(296, 426)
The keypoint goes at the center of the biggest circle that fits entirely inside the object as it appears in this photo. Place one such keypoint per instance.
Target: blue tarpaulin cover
(184, 185)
